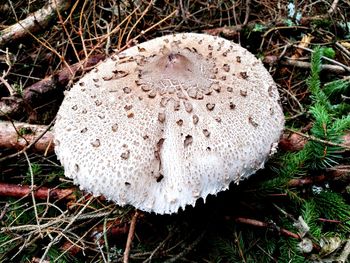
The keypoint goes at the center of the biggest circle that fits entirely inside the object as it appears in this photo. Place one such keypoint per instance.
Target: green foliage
(310, 214)
(289, 251)
(336, 87)
(245, 246)
(330, 122)
(333, 206)
(328, 52)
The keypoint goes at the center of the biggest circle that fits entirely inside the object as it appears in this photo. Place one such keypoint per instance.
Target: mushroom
(169, 121)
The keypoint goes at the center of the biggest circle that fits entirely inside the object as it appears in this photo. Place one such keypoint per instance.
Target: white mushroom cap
(169, 121)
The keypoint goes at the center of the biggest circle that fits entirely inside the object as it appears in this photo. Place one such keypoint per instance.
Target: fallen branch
(33, 95)
(20, 135)
(42, 193)
(325, 67)
(33, 22)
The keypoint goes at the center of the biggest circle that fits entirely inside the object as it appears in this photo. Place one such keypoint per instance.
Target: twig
(342, 48)
(57, 238)
(313, 138)
(302, 64)
(335, 173)
(346, 68)
(253, 222)
(43, 193)
(8, 86)
(130, 237)
(33, 22)
(333, 7)
(27, 147)
(247, 11)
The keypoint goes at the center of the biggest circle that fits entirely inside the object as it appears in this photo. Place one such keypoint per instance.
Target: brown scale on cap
(174, 119)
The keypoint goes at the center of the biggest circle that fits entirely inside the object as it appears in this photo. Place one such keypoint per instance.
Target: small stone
(232, 106)
(238, 59)
(98, 103)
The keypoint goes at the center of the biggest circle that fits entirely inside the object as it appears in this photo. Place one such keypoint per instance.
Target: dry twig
(130, 237)
(42, 193)
(302, 64)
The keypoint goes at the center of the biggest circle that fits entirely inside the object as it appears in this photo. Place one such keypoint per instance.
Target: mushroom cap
(169, 121)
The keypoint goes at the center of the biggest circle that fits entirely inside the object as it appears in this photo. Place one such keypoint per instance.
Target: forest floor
(296, 209)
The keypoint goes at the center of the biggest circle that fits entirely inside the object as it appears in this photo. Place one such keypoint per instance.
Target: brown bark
(19, 135)
(43, 193)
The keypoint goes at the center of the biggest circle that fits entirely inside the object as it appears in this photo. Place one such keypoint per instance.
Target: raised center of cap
(183, 73)
(175, 64)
